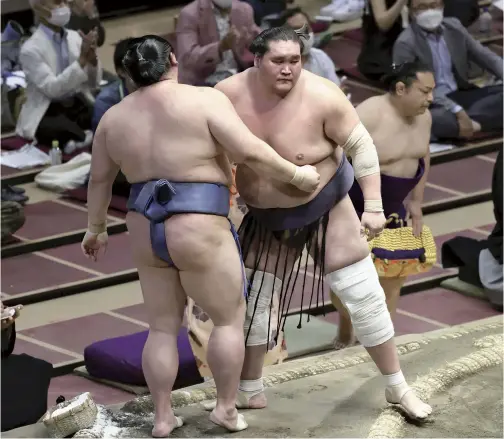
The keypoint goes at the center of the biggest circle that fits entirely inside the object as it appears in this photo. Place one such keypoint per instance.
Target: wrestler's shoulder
(232, 85)
(320, 88)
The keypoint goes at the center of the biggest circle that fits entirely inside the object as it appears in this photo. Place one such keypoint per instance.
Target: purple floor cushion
(120, 359)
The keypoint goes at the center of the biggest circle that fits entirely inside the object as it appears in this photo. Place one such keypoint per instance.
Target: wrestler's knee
(360, 291)
(257, 317)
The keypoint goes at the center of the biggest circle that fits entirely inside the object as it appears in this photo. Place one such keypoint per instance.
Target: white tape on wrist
(373, 206)
(97, 228)
(298, 178)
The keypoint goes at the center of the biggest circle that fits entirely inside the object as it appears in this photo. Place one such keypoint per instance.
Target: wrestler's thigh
(210, 268)
(267, 253)
(392, 285)
(163, 294)
(344, 244)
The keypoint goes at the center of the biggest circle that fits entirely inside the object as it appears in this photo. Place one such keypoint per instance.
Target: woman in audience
(381, 25)
(25, 379)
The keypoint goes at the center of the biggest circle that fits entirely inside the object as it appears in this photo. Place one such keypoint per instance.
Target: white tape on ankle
(255, 386)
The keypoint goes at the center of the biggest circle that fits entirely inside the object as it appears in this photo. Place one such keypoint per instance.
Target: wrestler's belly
(266, 193)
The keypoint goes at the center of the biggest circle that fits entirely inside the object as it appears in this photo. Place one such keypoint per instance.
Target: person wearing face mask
(212, 40)
(314, 60)
(62, 69)
(459, 109)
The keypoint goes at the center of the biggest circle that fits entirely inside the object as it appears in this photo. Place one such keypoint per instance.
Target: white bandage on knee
(361, 148)
(266, 283)
(359, 289)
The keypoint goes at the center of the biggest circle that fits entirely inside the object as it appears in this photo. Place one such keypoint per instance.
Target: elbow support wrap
(360, 147)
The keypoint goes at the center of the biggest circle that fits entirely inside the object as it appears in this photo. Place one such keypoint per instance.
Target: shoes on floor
(11, 193)
(13, 218)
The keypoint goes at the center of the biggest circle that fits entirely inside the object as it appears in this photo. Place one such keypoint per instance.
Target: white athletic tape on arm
(298, 178)
(373, 206)
(360, 147)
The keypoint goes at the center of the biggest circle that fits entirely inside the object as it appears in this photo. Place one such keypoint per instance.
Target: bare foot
(164, 429)
(403, 395)
(258, 401)
(342, 344)
(232, 421)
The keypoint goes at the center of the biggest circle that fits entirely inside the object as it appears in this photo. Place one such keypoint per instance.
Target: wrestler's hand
(92, 243)
(414, 212)
(372, 224)
(306, 178)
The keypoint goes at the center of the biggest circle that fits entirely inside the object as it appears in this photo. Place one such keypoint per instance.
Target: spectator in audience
(467, 11)
(12, 219)
(314, 60)
(212, 40)
(61, 68)
(25, 379)
(113, 93)
(480, 262)
(381, 25)
(264, 9)
(460, 109)
(110, 96)
(85, 18)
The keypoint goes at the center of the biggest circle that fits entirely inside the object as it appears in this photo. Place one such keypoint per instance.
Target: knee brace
(359, 289)
(261, 294)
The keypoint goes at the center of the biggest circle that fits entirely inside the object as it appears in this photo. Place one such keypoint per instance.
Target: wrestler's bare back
(293, 126)
(399, 143)
(162, 132)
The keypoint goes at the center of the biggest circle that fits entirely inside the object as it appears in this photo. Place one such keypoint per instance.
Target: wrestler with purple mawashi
(172, 143)
(400, 124)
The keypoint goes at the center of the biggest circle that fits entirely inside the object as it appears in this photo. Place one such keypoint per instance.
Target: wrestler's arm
(417, 194)
(103, 173)
(344, 127)
(242, 146)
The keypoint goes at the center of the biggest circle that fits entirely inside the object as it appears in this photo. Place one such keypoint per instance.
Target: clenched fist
(306, 178)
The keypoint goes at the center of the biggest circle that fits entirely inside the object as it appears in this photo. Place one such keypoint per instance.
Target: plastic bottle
(485, 22)
(55, 153)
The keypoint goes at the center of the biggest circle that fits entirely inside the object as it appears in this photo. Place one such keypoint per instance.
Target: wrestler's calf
(359, 289)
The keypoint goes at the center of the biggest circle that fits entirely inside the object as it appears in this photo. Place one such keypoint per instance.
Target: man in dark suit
(459, 108)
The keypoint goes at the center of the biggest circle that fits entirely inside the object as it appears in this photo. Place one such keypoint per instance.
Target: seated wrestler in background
(399, 123)
(181, 254)
(305, 118)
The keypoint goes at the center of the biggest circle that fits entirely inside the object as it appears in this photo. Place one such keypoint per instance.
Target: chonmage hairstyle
(260, 44)
(147, 59)
(405, 73)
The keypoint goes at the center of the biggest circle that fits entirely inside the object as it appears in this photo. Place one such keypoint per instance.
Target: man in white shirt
(61, 67)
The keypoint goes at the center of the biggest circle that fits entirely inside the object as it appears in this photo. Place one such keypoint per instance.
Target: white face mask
(223, 4)
(430, 19)
(308, 44)
(60, 16)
